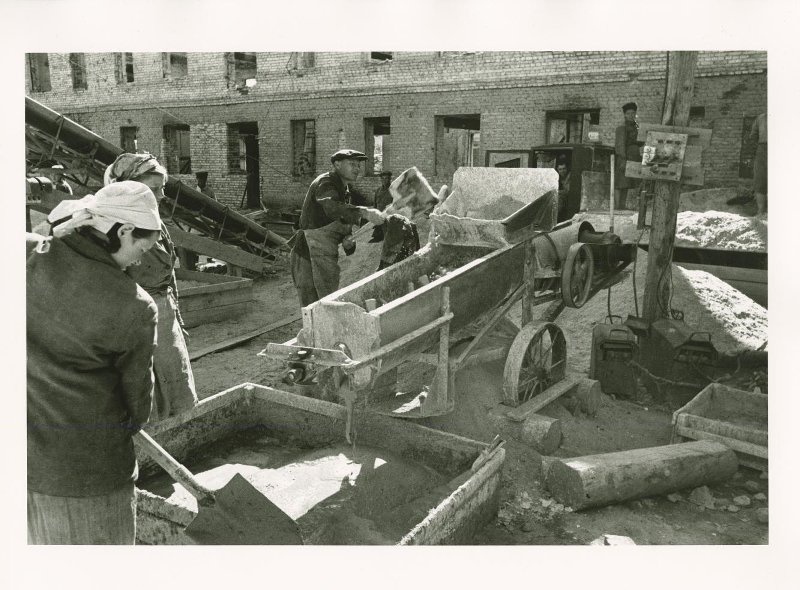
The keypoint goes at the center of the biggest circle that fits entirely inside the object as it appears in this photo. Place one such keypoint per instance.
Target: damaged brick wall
(512, 92)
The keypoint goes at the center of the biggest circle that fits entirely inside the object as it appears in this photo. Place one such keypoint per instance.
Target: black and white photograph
(499, 290)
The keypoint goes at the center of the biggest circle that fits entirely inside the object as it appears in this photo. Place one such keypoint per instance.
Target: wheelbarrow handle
(169, 464)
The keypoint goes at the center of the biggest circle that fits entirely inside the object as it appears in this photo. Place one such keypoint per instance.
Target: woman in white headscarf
(175, 389)
(90, 341)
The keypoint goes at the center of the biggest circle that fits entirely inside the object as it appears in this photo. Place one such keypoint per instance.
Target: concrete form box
(207, 297)
(731, 416)
(365, 509)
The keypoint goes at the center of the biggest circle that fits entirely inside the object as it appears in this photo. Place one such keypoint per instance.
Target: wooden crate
(470, 503)
(220, 298)
(733, 417)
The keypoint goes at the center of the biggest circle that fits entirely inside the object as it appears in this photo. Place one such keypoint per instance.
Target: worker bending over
(330, 210)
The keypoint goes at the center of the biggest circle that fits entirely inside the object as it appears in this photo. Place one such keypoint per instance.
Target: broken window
(748, 150)
(304, 148)
(301, 60)
(240, 136)
(569, 126)
(241, 69)
(457, 142)
(177, 149)
(39, 69)
(380, 56)
(123, 67)
(175, 65)
(127, 139)
(376, 142)
(77, 66)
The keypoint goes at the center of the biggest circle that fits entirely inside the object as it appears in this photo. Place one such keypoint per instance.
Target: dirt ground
(528, 515)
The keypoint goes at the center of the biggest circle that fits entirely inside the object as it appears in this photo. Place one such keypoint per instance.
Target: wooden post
(677, 100)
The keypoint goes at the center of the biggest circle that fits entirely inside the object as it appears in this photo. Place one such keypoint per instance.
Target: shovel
(235, 514)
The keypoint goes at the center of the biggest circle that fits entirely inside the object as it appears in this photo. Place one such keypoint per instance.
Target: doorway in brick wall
(457, 142)
(248, 140)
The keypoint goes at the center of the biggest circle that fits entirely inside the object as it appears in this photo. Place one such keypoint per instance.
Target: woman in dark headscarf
(174, 390)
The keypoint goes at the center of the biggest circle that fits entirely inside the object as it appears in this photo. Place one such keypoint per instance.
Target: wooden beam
(548, 396)
(677, 100)
(242, 338)
(214, 249)
(598, 480)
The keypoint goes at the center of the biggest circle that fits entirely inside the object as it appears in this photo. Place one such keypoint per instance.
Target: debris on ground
(702, 496)
(742, 500)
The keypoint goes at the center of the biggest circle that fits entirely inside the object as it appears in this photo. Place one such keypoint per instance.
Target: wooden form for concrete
(733, 417)
(598, 480)
(474, 467)
(223, 297)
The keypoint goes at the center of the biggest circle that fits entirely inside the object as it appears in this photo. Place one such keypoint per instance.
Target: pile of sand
(721, 230)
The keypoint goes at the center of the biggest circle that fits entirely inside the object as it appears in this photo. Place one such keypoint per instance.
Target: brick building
(264, 124)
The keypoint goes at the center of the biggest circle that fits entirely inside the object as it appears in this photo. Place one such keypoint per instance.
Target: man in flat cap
(626, 148)
(330, 210)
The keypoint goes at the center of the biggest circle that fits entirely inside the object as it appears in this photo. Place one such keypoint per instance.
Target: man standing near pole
(626, 147)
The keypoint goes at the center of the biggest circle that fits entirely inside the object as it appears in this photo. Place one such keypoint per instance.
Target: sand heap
(721, 230)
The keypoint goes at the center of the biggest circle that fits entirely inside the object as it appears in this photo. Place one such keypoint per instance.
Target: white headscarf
(120, 202)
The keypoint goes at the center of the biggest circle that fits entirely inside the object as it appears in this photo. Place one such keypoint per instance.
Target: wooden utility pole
(677, 100)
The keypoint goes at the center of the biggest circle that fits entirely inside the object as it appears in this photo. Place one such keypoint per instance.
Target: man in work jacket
(330, 210)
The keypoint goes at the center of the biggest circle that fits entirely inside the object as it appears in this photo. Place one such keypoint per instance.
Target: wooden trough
(221, 297)
(402, 483)
(733, 417)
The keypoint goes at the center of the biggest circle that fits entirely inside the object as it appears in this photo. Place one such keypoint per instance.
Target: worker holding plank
(90, 340)
(174, 390)
(330, 210)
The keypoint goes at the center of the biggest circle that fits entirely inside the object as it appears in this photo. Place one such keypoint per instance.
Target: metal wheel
(576, 275)
(536, 360)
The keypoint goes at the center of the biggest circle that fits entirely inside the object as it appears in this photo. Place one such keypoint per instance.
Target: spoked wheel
(576, 275)
(536, 360)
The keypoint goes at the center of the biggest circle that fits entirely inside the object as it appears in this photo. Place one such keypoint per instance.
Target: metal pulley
(577, 275)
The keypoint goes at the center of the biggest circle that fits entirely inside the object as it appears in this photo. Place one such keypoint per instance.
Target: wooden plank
(548, 396)
(242, 338)
(218, 288)
(737, 445)
(215, 314)
(202, 277)
(209, 247)
(199, 301)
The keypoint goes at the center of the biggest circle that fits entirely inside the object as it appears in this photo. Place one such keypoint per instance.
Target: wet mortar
(339, 495)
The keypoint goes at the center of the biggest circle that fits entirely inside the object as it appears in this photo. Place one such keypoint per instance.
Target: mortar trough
(736, 418)
(401, 483)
